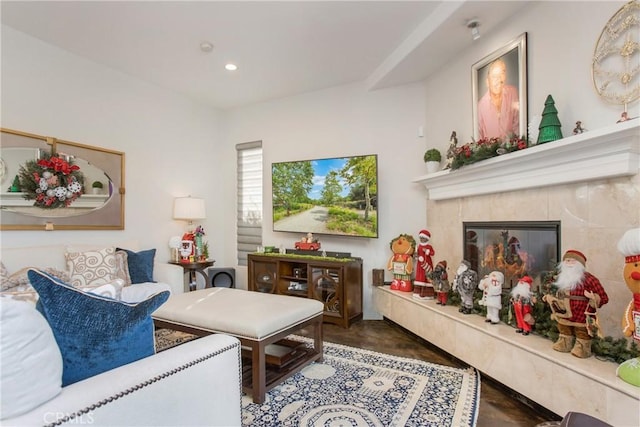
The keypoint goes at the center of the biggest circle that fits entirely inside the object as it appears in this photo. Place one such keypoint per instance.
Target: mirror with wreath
(48, 184)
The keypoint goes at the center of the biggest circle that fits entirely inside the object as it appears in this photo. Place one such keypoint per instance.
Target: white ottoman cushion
(246, 314)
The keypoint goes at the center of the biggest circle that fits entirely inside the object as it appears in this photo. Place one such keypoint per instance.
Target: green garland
(485, 149)
(51, 182)
(607, 348)
(309, 257)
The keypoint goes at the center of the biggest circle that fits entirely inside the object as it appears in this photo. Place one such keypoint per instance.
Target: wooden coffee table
(260, 321)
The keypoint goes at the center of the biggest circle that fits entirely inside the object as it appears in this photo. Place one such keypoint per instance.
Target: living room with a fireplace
(177, 146)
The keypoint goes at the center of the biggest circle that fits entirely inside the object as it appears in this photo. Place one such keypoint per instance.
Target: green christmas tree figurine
(550, 127)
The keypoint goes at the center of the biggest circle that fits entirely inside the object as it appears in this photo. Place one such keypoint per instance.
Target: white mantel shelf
(608, 152)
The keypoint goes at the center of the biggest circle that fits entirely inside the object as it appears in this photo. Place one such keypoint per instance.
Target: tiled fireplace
(589, 185)
(516, 248)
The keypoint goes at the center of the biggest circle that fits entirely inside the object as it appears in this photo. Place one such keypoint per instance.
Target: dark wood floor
(498, 406)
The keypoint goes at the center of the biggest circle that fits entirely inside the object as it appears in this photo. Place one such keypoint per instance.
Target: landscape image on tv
(336, 196)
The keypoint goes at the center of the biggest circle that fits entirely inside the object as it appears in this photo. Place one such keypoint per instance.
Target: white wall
(343, 121)
(175, 147)
(561, 40)
(169, 142)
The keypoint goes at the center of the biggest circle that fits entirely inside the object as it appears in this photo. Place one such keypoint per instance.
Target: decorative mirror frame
(110, 216)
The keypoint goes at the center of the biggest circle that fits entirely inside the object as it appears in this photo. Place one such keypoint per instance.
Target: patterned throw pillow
(111, 290)
(17, 286)
(94, 333)
(140, 265)
(91, 268)
(4, 276)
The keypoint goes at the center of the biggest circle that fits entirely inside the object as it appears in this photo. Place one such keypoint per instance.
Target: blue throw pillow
(94, 333)
(140, 265)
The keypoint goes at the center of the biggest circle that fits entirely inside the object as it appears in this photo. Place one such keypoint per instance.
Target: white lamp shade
(188, 208)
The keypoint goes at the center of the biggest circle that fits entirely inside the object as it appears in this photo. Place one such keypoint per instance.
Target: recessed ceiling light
(231, 67)
(206, 46)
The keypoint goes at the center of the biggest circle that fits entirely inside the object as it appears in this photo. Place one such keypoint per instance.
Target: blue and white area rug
(354, 387)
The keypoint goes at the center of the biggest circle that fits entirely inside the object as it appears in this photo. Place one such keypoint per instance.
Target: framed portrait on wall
(500, 92)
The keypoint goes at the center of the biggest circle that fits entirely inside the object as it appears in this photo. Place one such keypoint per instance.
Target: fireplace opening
(516, 248)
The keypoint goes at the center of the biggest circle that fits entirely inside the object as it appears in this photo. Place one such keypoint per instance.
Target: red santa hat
(526, 279)
(442, 264)
(577, 255)
(424, 233)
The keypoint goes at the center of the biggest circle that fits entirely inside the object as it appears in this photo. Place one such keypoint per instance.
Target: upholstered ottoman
(257, 319)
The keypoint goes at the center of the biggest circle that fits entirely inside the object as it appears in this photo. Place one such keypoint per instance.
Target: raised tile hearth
(526, 364)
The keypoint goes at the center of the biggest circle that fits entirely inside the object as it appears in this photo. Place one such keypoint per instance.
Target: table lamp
(188, 208)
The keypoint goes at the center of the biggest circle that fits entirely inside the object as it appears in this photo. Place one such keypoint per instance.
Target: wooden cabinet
(336, 282)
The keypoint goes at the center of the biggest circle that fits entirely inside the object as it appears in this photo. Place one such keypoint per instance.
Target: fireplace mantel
(608, 152)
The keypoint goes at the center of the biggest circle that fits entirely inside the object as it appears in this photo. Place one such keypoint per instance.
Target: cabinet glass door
(264, 275)
(326, 284)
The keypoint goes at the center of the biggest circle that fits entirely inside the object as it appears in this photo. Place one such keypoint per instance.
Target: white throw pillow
(91, 268)
(31, 363)
(142, 291)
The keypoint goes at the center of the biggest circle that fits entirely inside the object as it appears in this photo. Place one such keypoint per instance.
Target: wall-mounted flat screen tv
(335, 196)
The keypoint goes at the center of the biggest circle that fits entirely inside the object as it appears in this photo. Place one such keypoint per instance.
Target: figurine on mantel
(491, 287)
(574, 306)
(578, 129)
(451, 151)
(623, 117)
(465, 284)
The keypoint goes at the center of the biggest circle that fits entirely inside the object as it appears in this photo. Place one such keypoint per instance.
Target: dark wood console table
(193, 268)
(336, 282)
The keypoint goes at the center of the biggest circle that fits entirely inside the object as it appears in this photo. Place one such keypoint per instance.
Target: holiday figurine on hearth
(401, 262)
(465, 284)
(491, 287)
(629, 246)
(440, 280)
(574, 305)
(422, 286)
(522, 300)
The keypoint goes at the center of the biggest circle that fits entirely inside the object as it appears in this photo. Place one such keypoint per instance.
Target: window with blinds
(249, 223)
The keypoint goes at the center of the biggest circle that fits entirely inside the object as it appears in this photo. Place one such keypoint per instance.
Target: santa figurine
(440, 280)
(422, 286)
(491, 287)
(574, 306)
(465, 284)
(521, 303)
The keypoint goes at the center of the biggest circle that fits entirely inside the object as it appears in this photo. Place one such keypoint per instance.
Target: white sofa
(52, 256)
(194, 384)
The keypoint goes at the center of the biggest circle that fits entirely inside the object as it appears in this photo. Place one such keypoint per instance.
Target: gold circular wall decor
(616, 59)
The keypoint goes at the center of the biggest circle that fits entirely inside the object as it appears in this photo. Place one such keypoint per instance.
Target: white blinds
(249, 222)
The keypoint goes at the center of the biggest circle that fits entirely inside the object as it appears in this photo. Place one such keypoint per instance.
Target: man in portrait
(499, 107)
